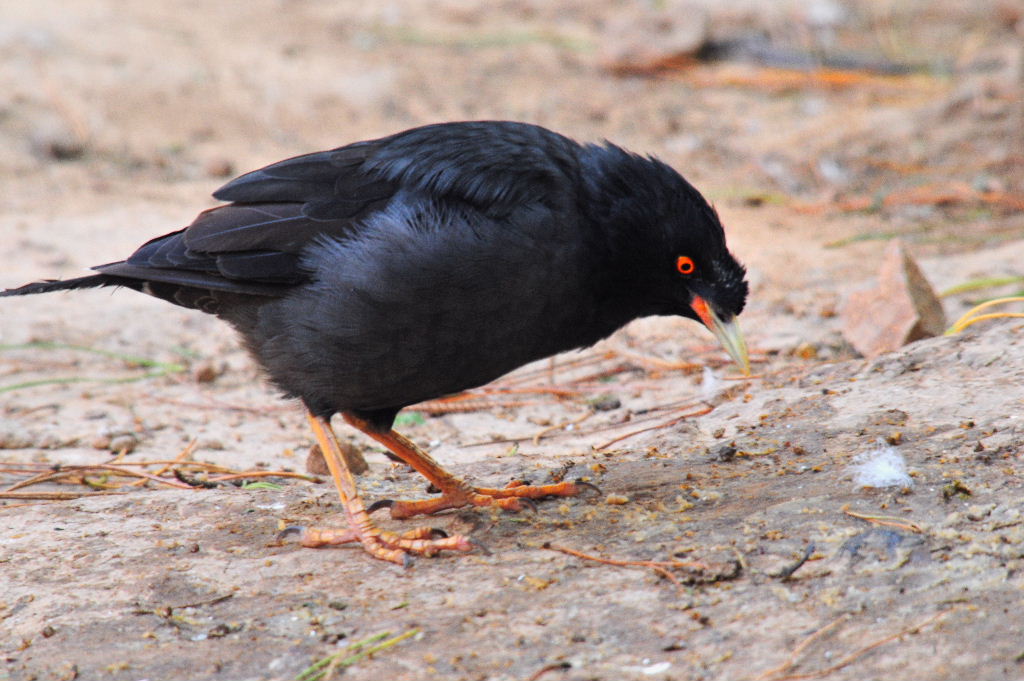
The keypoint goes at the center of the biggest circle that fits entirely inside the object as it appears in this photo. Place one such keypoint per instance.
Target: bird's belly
(389, 356)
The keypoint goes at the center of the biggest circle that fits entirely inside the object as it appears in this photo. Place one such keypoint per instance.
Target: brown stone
(315, 464)
(901, 309)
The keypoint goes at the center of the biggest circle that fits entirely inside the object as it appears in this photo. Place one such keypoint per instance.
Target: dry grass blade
(549, 668)
(158, 368)
(795, 654)
(169, 473)
(972, 317)
(657, 362)
(182, 455)
(664, 424)
(84, 470)
(779, 673)
(887, 520)
(54, 496)
(264, 474)
(659, 566)
(325, 668)
(564, 425)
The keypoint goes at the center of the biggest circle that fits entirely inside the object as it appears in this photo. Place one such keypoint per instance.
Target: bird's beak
(727, 332)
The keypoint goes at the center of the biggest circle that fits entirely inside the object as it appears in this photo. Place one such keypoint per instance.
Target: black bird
(387, 272)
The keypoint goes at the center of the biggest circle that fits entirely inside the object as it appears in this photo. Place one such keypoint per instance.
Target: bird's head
(712, 289)
(670, 251)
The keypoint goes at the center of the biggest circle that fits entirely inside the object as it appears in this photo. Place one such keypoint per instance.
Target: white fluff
(710, 384)
(881, 467)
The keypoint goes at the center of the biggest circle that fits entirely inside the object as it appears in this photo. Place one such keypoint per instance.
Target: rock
(219, 167)
(903, 307)
(606, 402)
(14, 436)
(208, 372)
(123, 444)
(54, 140)
(315, 464)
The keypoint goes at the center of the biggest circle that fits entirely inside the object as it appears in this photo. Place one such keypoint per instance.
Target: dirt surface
(119, 120)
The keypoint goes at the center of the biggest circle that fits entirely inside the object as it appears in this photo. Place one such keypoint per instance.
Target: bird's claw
(379, 504)
(291, 529)
(527, 502)
(588, 485)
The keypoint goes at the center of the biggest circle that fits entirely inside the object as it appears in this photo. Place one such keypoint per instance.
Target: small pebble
(55, 140)
(123, 443)
(725, 452)
(219, 167)
(210, 443)
(315, 464)
(207, 372)
(14, 437)
(805, 351)
(616, 499)
(606, 402)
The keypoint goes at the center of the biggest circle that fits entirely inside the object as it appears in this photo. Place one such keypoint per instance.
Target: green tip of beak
(727, 332)
(730, 336)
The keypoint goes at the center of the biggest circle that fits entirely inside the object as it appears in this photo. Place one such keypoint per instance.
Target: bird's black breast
(426, 300)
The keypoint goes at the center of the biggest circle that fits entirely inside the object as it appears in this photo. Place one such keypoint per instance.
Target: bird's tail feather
(92, 281)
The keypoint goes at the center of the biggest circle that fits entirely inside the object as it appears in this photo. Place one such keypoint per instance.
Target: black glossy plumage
(379, 274)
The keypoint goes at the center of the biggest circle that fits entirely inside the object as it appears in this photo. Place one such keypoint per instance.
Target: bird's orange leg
(455, 492)
(378, 543)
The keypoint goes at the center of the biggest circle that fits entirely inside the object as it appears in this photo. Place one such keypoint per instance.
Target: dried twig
(549, 668)
(55, 496)
(887, 520)
(659, 566)
(323, 669)
(792, 660)
(79, 474)
(795, 654)
(564, 425)
(649, 415)
(66, 471)
(264, 474)
(182, 455)
(788, 571)
(543, 373)
(473, 404)
(665, 424)
(658, 362)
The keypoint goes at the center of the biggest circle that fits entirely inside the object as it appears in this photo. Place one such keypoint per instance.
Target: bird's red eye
(685, 265)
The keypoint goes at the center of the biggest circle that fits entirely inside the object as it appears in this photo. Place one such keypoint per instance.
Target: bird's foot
(514, 497)
(390, 546)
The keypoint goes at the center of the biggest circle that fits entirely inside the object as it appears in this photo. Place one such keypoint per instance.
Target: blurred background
(912, 109)
(821, 130)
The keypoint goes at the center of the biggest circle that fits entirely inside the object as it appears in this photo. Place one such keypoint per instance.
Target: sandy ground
(119, 120)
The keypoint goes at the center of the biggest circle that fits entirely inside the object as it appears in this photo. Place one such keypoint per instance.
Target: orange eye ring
(685, 265)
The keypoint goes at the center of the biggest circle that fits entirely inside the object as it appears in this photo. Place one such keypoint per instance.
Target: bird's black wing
(254, 244)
